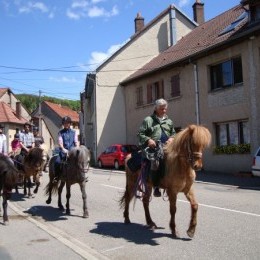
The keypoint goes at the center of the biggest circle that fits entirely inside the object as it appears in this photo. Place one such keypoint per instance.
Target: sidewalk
(242, 180)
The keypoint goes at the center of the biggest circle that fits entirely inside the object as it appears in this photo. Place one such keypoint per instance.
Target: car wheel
(116, 165)
(100, 164)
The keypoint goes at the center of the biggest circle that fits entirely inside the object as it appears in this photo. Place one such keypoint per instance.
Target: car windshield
(128, 148)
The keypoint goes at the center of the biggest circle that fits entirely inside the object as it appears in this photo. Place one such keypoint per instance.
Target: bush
(232, 149)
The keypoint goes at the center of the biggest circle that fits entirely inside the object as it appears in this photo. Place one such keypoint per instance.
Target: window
(139, 96)
(236, 132)
(175, 85)
(155, 91)
(226, 74)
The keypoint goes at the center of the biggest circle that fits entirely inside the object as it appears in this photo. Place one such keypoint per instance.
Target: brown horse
(182, 158)
(72, 171)
(31, 166)
(8, 179)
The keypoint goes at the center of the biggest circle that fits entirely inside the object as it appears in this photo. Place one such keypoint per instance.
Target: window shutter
(161, 89)
(149, 93)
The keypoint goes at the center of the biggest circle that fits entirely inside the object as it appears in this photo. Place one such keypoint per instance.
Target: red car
(114, 155)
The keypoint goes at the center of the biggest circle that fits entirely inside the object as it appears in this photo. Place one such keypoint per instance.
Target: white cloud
(63, 80)
(33, 6)
(97, 58)
(183, 3)
(83, 8)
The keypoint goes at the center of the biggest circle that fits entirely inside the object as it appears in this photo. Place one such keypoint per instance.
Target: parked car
(256, 163)
(114, 155)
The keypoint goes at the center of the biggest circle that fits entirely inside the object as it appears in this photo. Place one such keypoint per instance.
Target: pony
(31, 166)
(73, 171)
(8, 179)
(182, 157)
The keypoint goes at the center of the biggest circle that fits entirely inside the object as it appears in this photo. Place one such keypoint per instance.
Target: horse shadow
(47, 213)
(135, 233)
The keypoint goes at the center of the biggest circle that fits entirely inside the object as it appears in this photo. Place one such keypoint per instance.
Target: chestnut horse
(73, 171)
(182, 158)
(32, 165)
(8, 179)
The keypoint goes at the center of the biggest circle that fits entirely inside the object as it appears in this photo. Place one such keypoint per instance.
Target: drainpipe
(173, 35)
(196, 84)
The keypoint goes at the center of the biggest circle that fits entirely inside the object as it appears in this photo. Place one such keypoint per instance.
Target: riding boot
(57, 172)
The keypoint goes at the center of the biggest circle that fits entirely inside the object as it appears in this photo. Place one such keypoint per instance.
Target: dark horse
(31, 165)
(182, 158)
(73, 171)
(8, 179)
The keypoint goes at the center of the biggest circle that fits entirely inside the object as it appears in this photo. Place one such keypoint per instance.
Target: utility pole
(40, 113)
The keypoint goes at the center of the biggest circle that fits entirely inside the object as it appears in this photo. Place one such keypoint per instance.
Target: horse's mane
(34, 156)
(79, 155)
(193, 135)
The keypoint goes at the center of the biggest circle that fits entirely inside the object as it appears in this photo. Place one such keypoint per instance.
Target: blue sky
(48, 46)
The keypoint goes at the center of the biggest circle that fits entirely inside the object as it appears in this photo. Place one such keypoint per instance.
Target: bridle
(193, 156)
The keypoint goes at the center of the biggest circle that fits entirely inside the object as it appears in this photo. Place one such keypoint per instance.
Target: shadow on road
(135, 233)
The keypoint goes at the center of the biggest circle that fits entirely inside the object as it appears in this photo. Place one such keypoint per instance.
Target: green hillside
(31, 102)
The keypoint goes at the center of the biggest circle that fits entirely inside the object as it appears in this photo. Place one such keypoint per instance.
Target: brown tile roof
(8, 115)
(3, 91)
(63, 111)
(199, 41)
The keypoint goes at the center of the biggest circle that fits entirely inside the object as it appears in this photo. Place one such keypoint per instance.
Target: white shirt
(3, 148)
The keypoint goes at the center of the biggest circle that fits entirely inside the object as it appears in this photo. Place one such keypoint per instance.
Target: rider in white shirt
(3, 147)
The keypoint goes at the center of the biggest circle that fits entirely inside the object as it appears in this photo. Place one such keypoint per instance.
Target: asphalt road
(228, 223)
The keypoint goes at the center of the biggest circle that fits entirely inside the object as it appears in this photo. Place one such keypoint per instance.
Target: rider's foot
(156, 192)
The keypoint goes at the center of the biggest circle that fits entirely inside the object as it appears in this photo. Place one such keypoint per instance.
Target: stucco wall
(233, 103)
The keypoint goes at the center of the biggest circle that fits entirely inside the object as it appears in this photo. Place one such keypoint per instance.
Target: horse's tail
(51, 188)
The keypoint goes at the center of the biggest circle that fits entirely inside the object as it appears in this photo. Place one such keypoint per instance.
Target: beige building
(104, 101)
(210, 77)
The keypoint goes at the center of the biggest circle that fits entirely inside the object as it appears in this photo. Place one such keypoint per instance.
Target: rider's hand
(65, 150)
(169, 140)
(151, 143)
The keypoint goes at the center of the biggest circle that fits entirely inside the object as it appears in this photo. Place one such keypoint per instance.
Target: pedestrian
(154, 128)
(16, 146)
(3, 145)
(38, 139)
(67, 139)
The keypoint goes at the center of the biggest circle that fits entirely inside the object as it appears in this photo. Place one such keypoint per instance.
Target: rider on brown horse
(67, 139)
(156, 128)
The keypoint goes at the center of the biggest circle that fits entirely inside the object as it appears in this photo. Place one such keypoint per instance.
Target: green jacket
(151, 128)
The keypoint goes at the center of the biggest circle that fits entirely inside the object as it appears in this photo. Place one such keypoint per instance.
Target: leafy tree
(31, 102)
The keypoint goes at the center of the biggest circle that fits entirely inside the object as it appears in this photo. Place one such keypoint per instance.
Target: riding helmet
(35, 129)
(66, 119)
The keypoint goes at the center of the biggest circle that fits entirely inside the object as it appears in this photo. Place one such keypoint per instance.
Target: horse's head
(189, 145)
(199, 138)
(79, 158)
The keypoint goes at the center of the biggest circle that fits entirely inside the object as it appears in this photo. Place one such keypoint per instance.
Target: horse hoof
(68, 212)
(85, 215)
(152, 226)
(190, 233)
(48, 201)
(175, 234)
(127, 221)
(6, 223)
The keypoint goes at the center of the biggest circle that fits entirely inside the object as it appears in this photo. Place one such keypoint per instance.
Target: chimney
(139, 23)
(198, 12)
(19, 110)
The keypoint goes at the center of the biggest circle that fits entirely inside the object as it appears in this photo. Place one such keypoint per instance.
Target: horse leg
(68, 195)
(194, 209)
(29, 184)
(128, 195)
(146, 201)
(59, 195)
(37, 183)
(5, 204)
(173, 199)
(24, 185)
(84, 197)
